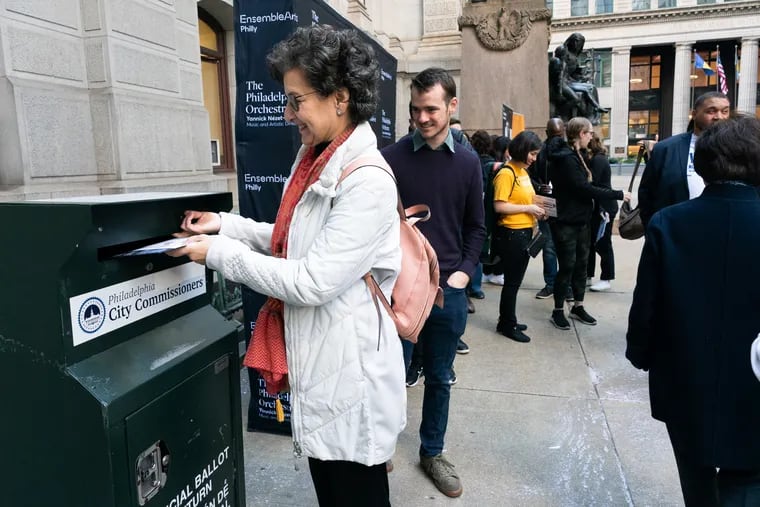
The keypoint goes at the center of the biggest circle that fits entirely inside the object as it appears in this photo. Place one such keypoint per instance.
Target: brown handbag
(630, 225)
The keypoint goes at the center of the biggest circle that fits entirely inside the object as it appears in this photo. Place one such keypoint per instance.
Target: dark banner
(266, 144)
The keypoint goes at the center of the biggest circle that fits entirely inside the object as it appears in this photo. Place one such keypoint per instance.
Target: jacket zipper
(294, 411)
(297, 454)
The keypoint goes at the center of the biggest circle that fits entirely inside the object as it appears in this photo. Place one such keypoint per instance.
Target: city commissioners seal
(92, 314)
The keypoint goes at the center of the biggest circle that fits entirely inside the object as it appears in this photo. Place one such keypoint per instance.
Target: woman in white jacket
(345, 369)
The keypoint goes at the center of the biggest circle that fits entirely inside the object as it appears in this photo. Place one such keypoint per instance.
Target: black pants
(571, 243)
(705, 486)
(349, 484)
(510, 245)
(603, 247)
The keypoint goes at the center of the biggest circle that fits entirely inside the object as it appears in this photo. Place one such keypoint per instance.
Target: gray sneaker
(442, 474)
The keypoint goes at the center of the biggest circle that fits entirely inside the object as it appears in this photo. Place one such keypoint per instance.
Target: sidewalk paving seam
(543, 395)
(595, 384)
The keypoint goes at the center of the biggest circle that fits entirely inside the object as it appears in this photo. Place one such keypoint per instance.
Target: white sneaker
(600, 286)
(589, 281)
(494, 279)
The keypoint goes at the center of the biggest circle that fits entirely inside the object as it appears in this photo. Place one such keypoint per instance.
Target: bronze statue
(571, 92)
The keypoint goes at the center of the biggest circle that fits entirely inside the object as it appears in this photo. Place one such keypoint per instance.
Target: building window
(598, 63)
(645, 73)
(550, 5)
(640, 5)
(603, 6)
(642, 125)
(579, 7)
(602, 68)
(705, 2)
(698, 77)
(666, 4)
(216, 98)
(603, 129)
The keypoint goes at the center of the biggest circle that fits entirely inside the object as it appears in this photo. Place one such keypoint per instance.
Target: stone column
(747, 100)
(682, 87)
(621, 71)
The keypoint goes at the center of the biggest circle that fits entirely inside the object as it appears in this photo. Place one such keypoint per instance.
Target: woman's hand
(196, 248)
(536, 211)
(626, 196)
(201, 222)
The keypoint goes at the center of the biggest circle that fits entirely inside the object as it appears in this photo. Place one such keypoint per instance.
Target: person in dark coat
(575, 194)
(669, 176)
(695, 314)
(601, 174)
(539, 176)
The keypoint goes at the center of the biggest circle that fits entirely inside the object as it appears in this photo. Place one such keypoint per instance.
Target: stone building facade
(643, 53)
(112, 96)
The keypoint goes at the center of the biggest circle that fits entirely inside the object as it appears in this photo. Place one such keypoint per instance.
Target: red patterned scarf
(266, 350)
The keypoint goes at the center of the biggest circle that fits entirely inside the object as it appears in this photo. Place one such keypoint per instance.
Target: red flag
(722, 78)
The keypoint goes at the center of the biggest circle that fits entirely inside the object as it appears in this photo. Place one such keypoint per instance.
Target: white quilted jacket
(346, 373)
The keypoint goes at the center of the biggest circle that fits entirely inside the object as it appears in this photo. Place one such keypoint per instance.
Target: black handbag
(630, 225)
(536, 243)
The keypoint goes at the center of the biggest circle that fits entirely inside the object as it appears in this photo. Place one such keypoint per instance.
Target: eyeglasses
(293, 100)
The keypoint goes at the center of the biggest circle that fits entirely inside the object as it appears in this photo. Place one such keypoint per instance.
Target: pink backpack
(416, 289)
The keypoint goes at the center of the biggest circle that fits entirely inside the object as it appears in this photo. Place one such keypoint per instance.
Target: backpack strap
(375, 161)
(514, 178)
(374, 288)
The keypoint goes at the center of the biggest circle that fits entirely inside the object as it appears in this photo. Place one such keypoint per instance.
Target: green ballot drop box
(120, 382)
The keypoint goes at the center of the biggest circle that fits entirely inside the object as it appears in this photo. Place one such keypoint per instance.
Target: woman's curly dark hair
(331, 59)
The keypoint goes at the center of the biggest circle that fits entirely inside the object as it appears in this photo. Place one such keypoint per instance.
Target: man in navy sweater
(432, 169)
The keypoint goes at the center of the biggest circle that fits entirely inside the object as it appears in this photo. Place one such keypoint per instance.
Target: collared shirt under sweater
(449, 180)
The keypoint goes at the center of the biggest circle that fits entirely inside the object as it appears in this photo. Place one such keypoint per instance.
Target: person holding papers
(601, 218)
(320, 334)
(518, 216)
(575, 193)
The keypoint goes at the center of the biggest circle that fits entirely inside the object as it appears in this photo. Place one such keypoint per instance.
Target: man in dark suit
(695, 315)
(669, 176)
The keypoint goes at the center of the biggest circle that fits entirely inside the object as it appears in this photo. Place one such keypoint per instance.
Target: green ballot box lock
(112, 359)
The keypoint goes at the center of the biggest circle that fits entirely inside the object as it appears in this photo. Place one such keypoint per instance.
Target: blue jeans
(549, 255)
(476, 282)
(439, 339)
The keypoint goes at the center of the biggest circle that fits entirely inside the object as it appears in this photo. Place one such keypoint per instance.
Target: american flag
(722, 78)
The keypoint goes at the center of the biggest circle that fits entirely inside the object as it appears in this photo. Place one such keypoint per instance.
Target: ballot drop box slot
(120, 381)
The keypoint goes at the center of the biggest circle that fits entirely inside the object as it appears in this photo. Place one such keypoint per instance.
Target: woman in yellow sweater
(513, 202)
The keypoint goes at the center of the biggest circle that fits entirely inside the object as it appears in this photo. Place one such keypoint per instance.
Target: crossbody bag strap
(639, 158)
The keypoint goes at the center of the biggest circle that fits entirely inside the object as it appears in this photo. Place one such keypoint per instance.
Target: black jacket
(693, 317)
(601, 172)
(574, 193)
(539, 170)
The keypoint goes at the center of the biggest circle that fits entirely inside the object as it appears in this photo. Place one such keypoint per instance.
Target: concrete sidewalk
(561, 421)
